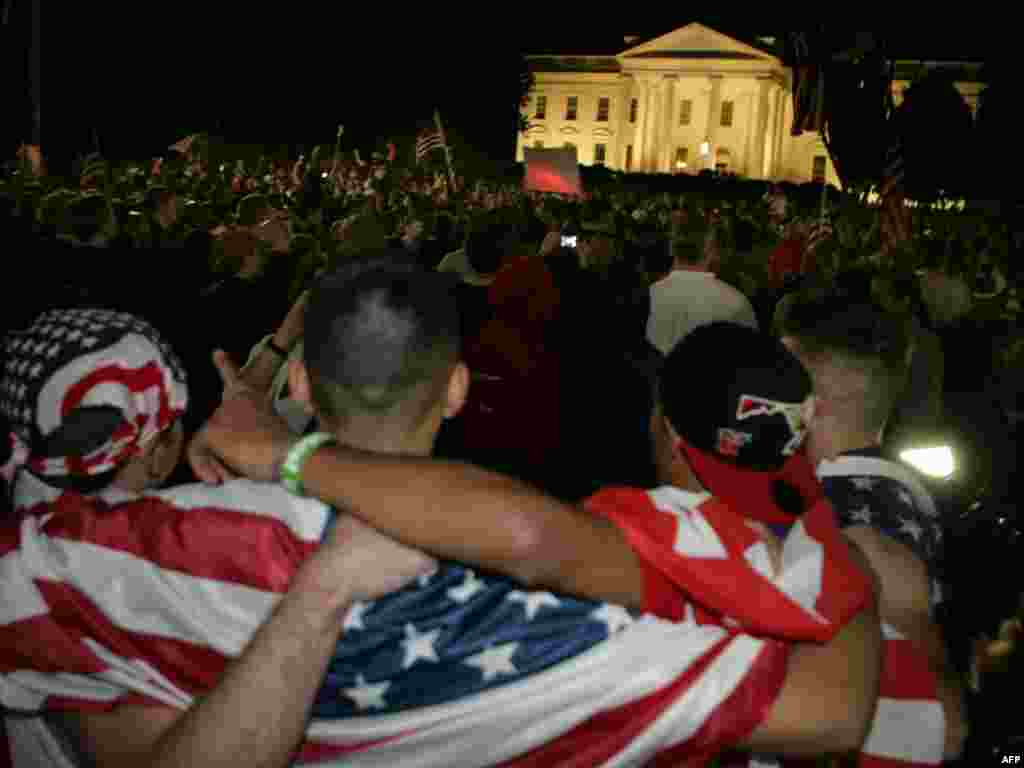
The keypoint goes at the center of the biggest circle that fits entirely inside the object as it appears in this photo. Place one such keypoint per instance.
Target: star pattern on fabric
(911, 527)
(354, 617)
(495, 661)
(419, 645)
(862, 515)
(534, 601)
(863, 483)
(366, 695)
(469, 587)
(614, 617)
(903, 495)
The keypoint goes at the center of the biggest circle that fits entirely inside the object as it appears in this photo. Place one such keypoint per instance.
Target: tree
(937, 133)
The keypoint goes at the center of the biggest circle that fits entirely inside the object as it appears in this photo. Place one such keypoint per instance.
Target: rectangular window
(542, 108)
(599, 153)
(818, 169)
(538, 145)
(603, 108)
(571, 107)
(727, 107)
(570, 145)
(632, 110)
(685, 112)
(629, 156)
(682, 157)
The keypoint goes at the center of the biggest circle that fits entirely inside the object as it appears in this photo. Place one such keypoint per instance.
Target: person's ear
(299, 386)
(457, 391)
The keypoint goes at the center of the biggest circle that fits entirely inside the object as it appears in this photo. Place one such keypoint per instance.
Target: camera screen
(568, 241)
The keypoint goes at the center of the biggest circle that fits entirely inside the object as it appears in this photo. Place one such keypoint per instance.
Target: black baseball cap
(739, 401)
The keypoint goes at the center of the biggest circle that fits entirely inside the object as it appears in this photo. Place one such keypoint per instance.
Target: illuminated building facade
(690, 100)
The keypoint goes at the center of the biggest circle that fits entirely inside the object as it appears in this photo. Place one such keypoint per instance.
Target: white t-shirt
(687, 299)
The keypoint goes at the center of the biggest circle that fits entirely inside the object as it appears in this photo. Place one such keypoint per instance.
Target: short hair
(686, 251)
(856, 335)
(381, 337)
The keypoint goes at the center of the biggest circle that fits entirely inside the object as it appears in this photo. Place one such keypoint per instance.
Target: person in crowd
(692, 296)
(856, 352)
(787, 260)
(395, 351)
(96, 399)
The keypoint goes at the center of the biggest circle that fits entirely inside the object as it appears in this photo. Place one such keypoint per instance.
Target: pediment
(569, 130)
(602, 133)
(695, 41)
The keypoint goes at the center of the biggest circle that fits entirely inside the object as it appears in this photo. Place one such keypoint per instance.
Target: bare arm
(258, 713)
(827, 702)
(906, 606)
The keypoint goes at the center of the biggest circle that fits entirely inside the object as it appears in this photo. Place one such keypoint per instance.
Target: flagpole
(447, 150)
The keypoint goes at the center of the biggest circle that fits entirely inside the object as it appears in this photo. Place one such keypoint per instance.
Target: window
(682, 157)
(603, 107)
(571, 106)
(685, 112)
(542, 108)
(818, 169)
(722, 162)
(569, 145)
(632, 110)
(538, 145)
(727, 114)
(629, 153)
(599, 154)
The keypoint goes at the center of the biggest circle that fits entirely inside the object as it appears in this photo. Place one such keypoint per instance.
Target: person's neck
(385, 443)
(854, 440)
(683, 267)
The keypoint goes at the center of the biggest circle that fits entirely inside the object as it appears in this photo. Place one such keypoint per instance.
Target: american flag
(142, 600)
(808, 85)
(427, 141)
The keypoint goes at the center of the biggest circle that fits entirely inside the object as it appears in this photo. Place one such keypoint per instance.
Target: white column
(714, 116)
(640, 132)
(782, 129)
(670, 107)
(761, 127)
(656, 95)
(617, 150)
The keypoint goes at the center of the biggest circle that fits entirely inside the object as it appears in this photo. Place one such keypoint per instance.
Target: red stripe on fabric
(906, 673)
(206, 542)
(10, 536)
(54, 644)
(137, 381)
(752, 700)
(313, 752)
(604, 735)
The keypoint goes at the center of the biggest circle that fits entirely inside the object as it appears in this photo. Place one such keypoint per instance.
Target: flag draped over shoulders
(816, 593)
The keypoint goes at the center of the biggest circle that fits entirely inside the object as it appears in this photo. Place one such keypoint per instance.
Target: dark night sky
(293, 76)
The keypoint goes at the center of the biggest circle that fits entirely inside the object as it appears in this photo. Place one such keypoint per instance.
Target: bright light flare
(937, 462)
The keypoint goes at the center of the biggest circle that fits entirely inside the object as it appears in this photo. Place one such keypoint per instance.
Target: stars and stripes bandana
(84, 389)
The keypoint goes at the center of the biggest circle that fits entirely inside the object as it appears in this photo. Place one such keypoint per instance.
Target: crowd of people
(473, 419)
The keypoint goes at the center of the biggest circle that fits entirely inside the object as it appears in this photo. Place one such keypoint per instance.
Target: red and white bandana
(70, 360)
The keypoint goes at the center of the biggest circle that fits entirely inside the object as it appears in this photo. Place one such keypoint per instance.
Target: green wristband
(291, 469)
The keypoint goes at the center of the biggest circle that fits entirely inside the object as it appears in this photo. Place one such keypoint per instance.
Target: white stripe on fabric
(889, 632)
(511, 720)
(136, 675)
(695, 536)
(67, 684)
(132, 352)
(15, 696)
(20, 599)
(803, 564)
(857, 466)
(138, 596)
(305, 517)
(913, 731)
(684, 717)
(33, 744)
